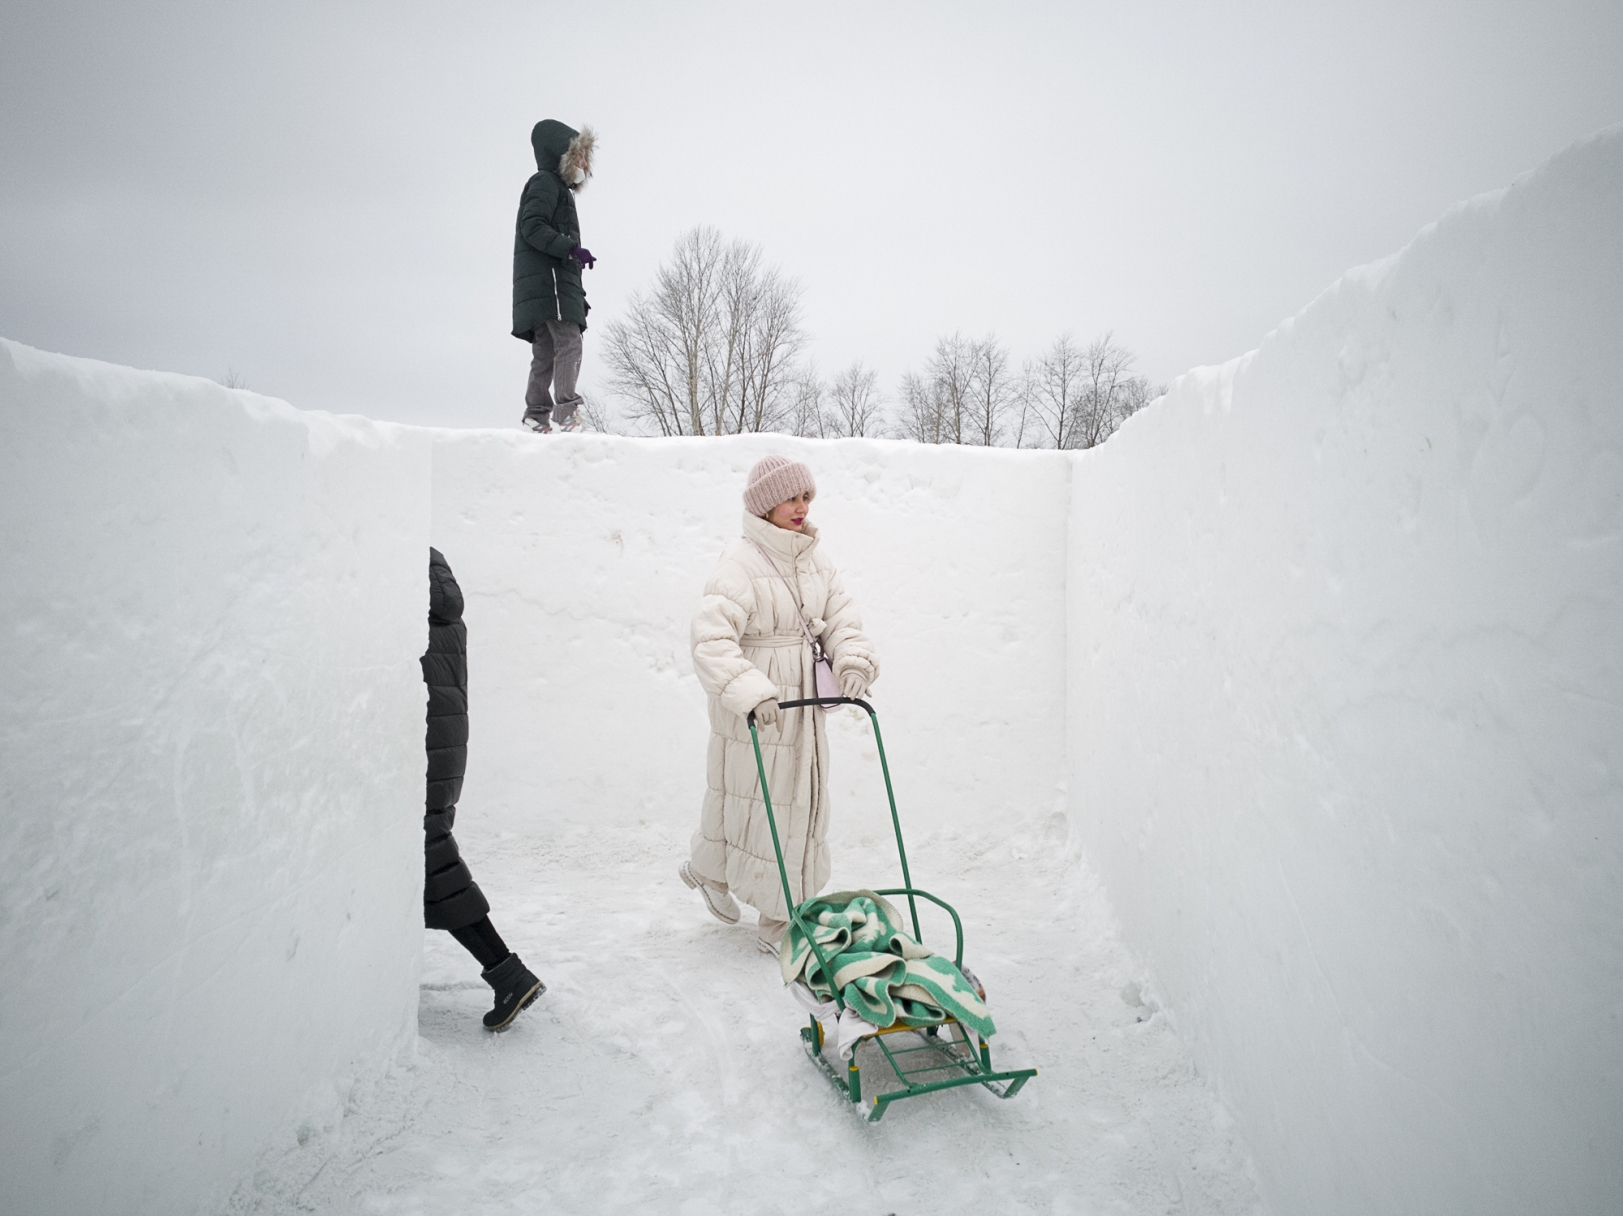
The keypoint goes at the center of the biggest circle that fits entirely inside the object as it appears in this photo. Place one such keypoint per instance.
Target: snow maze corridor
(678, 1085)
(1273, 753)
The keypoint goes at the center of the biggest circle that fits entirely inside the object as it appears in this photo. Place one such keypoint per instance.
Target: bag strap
(815, 645)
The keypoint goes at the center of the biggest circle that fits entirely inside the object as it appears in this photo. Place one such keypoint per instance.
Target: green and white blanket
(881, 972)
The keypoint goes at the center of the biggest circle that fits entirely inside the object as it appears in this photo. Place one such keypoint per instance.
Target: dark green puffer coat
(546, 280)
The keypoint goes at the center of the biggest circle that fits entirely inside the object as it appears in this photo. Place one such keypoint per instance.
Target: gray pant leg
(537, 397)
(566, 346)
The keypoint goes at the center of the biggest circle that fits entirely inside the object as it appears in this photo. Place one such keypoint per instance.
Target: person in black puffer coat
(549, 301)
(451, 899)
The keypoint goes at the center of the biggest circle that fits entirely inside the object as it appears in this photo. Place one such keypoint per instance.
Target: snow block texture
(582, 559)
(212, 746)
(1346, 725)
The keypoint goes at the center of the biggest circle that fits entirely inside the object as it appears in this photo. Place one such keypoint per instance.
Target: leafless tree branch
(711, 350)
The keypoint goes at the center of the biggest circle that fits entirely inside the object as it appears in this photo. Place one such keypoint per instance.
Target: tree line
(715, 347)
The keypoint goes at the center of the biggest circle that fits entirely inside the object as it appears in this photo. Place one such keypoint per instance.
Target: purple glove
(583, 256)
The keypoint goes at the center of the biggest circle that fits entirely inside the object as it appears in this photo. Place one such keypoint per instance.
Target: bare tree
(940, 403)
(1079, 396)
(805, 416)
(1023, 410)
(755, 383)
(1106, 367)
(854, 407)
(655, 355)
(921, 418)
(951, 370)
(1112, 393)
(991, 388)
(647, 368)
(711, 349)
(1052, 391)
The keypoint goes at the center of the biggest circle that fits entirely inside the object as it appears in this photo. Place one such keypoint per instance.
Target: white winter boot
(722, 906)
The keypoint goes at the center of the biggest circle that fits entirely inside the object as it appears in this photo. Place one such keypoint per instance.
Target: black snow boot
(516, 987)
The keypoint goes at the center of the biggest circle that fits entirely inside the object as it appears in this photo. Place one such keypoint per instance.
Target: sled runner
(936, 1032)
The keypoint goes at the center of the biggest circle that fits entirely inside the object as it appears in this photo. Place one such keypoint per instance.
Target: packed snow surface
(662, 1071)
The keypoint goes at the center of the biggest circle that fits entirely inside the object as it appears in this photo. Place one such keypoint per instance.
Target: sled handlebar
(822, 701)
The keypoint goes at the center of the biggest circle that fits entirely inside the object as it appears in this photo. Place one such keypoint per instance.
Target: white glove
(852, 684)
(766, 713)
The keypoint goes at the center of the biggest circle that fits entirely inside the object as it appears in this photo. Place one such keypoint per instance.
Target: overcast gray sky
(321, 196)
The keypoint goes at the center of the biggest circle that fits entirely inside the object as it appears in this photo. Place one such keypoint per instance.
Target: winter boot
(566, 417)
(722, 906)
(515, 989)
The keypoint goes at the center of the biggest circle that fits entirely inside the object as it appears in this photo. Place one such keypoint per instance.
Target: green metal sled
(933, 1058)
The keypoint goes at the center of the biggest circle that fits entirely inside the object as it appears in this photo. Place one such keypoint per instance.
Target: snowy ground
(662, 1071)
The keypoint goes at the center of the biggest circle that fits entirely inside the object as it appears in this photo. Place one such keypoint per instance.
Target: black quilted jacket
(451, 899)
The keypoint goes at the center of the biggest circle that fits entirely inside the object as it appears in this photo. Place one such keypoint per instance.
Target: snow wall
(1346, 717)
(211, 748)
(582, 561)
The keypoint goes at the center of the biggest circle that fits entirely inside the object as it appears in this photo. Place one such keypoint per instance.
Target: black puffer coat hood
(550, 139)
(561, 149)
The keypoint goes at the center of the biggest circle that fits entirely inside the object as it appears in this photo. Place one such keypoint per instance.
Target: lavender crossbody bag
(822, 665)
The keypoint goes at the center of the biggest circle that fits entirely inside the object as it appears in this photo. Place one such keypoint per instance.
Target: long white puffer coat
(747, 648)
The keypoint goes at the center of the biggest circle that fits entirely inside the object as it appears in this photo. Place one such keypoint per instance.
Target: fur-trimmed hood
(564, 151)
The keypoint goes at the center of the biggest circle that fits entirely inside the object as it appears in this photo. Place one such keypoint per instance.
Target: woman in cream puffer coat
(749, 653)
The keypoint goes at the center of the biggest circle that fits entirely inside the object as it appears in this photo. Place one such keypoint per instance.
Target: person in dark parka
(549, 301)
(451, 899)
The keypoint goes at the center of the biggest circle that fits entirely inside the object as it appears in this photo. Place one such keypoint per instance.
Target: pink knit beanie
(776, 479)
